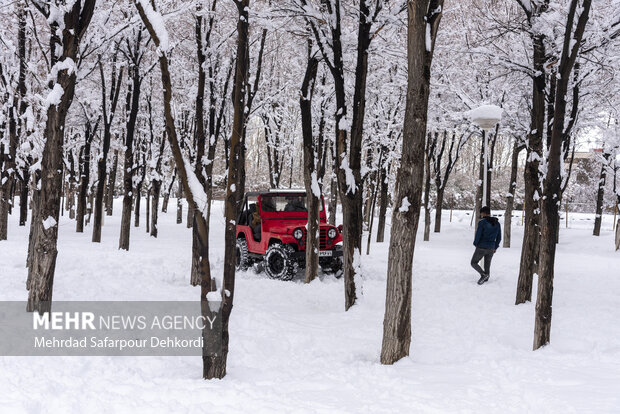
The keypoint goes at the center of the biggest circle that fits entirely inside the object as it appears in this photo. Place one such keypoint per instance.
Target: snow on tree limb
(157, 24)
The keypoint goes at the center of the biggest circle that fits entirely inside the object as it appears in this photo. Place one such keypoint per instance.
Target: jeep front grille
(322, 238)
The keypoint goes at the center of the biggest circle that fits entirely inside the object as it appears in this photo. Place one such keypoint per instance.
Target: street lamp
(486, 117)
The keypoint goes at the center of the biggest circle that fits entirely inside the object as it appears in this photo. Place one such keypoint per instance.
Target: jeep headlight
(332, 233)
(298, 234)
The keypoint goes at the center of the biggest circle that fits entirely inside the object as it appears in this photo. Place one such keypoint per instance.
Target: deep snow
(294, 349)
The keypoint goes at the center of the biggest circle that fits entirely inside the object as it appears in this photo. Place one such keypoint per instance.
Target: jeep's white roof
(287, 190)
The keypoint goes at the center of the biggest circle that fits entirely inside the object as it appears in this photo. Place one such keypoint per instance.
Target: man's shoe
(483, 279)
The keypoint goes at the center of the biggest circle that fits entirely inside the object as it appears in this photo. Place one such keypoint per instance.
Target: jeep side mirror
(340, 228)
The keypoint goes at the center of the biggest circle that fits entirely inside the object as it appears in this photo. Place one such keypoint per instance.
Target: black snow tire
(243, 255)
(279, 262)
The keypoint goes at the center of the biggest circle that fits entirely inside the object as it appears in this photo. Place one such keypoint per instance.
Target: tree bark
(109, 200)
(600, 194)
(23, 197)
(133, 106)
(214, 364)
(84, 176)
(310, 171)
(17, 109)
(147, 214)
(553, 181)
(179, 204)
(348, 154)
(164, 207)
(333, 200)
(531, 178)
(154, 212)
(136, 210)
(136, 207)
(438, 209)
(189, 222)
(383, 204)
(510, 196)
(45, 238)
(107, 125)
(422, 15)
(427, 195)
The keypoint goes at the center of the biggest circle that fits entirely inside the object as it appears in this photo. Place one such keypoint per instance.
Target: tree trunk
(190, 216)
(23, 197)
(510, 197)
(438, 209)
(372, 206)
(107, 125)
(427, 197)
(84, 180)
(310, 174)
(156, 190)
(164, 207)
(133, 105)
(123, 242)
(44, 247)
(179, 205)
(89, 205)
(109, 200)
(15, 111)
(147, 214)
(214, 363)
(7, 170)
(369, 188)
(384, 201)
(600, 194)
(617, 225)
(553, 181)
(101, 174)
(531, 232)
(136, 209)
(422, 16)
(333, 200)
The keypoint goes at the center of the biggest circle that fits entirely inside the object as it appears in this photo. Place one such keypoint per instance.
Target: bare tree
(427, 184)
(311, 179)
(109, 195)
(553, 180)
(16, 111)
(84, 170)
(441, 174)
(214, 364)
(600, 193)
(422, 16)
(134, 53)
(64, 44)
(529, 249)
(108, 118)
(517, 147)
(348, 151)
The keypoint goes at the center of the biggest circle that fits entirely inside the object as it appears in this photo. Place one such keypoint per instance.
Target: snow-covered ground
(294, 349)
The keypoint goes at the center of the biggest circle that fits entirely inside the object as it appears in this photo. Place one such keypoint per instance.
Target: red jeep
(271, 232)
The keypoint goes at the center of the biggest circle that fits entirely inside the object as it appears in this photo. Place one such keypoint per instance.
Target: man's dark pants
(479, 254)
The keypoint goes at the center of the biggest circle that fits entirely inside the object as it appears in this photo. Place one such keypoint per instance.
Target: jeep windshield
(285, 203)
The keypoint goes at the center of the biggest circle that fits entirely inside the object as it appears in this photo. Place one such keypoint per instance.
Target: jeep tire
(243, 255)
(279, 262)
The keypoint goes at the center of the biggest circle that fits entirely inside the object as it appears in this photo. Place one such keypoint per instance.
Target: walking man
(488, 236)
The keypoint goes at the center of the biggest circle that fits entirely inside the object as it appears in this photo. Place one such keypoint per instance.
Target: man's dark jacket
(488, 233)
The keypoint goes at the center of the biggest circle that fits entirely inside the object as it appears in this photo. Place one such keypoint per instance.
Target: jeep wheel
(243, 256)
(279, 262)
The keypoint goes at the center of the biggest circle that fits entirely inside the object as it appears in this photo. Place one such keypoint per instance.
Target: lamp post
(486, 117)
